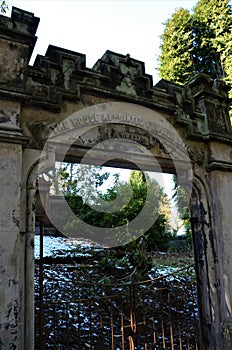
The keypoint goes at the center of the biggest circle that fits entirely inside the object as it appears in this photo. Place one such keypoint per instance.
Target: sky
(93, 26)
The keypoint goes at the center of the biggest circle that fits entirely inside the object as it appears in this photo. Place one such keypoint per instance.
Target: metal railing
(160, 313)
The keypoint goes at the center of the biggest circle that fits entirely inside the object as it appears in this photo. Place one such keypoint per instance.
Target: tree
(175, 60)
(198, 42)
(157, 237)
(212, 21)
(181, 201)
(78, 183)
(78, 179)
(135, 254)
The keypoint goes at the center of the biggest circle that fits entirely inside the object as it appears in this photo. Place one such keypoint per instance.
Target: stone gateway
(59, 100)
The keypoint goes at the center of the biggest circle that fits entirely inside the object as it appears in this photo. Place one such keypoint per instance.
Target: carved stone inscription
(163, 132)
(157, 136)
(123, 132)
(115, 131)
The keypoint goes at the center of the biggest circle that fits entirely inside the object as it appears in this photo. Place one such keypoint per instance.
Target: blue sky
(93, 26)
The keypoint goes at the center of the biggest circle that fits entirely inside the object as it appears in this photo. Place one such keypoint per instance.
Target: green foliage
(79, 180)
(212, 22)
(198, 42)
(175, 61)
(133, 193)
(158, 236)
(82, 188)
(182, 204)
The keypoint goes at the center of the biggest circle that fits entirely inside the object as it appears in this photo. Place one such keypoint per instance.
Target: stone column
(17, 40)
(212, 214)
(11, 241)
(221, 190)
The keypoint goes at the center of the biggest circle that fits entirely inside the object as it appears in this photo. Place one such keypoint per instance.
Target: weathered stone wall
(222, 194)
(10, 257)
(16, 43)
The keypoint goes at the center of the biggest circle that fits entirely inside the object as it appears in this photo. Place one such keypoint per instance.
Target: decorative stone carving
(196, 155)
(127, 75)
(211, 101)
(124, 132)
(218, 118)
(40, 132)
(127, 84)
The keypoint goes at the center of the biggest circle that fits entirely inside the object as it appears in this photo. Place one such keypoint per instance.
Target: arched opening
(134, 328)
(92, 290)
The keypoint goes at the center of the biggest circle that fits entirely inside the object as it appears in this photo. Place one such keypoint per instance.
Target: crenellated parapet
(201, 107)
(124, 74)
(17, 38)
(62, 74)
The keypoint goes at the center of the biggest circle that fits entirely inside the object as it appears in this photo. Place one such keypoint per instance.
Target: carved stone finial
(125, 74)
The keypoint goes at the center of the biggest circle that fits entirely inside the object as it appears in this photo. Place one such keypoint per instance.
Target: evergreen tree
(198, 42)
(176, 62)
(212, 21)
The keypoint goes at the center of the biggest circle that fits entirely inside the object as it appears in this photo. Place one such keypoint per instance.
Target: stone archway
(37, 99)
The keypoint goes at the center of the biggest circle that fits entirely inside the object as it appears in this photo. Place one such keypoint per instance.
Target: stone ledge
(11, 136)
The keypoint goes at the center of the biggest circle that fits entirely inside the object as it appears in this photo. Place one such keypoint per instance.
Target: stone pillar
(211, 217)
(17, 40)
(212, 213)
(11, 241)
(221, 190)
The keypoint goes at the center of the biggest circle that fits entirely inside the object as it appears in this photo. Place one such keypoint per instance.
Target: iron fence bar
(138, 296)
(79, 324)
(131, 340)
(151, 280)
(54, 317)
(122, 324)
(146, 340)
(179, 319)
(154, 326)
(41, 310)
(186, 321)
(67, 324)
(170, 318)
(196, 329)
(90, 324)
(112, 324)
(134, 302)
(162, 313)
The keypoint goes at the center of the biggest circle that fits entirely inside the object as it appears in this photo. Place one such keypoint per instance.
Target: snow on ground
(53, 246)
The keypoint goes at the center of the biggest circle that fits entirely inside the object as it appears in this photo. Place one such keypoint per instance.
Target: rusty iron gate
(160, 313)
